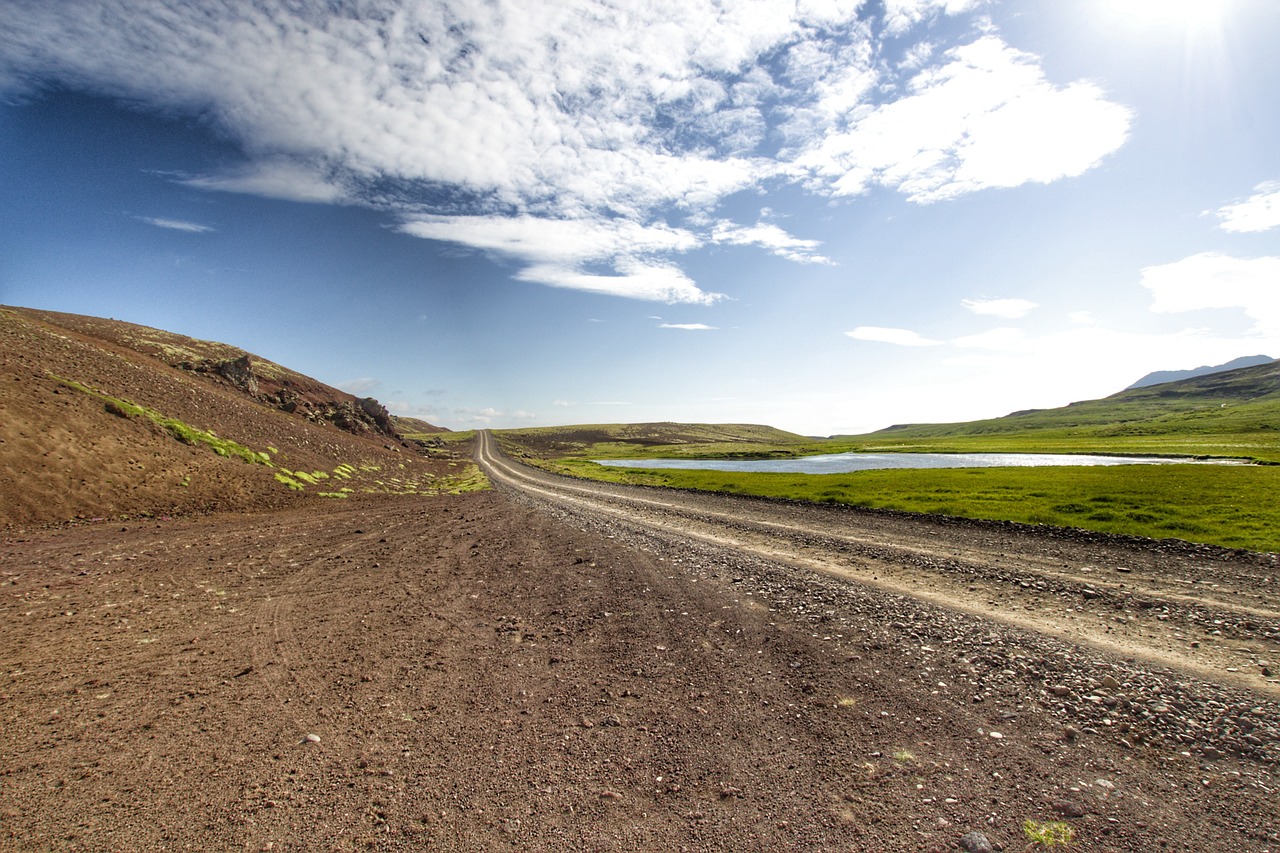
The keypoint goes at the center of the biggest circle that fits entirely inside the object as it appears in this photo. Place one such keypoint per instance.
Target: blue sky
(827, 215)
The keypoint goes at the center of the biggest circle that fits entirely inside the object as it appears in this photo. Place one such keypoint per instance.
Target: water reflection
(841, 463)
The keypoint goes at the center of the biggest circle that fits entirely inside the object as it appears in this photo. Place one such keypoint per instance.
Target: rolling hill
(105, 419)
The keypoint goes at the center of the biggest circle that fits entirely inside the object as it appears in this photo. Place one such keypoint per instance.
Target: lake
(841, 463)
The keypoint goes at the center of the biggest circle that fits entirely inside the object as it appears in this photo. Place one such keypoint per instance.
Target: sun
(1186, 14)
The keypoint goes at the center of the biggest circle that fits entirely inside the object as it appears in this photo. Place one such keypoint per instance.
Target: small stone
(610, 795)
(1070, 808)
(311, 737)
(976, 842)
(1109, 682)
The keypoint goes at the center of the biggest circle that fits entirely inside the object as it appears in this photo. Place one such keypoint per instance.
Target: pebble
(311, 737)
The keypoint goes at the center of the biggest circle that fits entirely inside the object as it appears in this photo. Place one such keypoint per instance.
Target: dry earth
(532, 668)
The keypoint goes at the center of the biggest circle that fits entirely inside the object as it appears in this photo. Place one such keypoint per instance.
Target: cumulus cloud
(493, 125)
(985, 118)
(177, 225)
(1215, 280)
(900, 337)
(1258, 212)
(1009, 309)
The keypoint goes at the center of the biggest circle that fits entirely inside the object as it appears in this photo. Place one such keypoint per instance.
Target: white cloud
(986, 118)
(498, 125)
(562, 404)
(690, 327)
(177, 225)
(900, 337)
(994, 339)
(902, 15)
(1214, 280)
(1009, 309)
(638, 280)
(1258, 212)
(275, 178)
(770, 237)
(362, 387)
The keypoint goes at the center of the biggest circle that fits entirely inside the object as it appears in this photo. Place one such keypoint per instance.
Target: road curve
(1207, 612)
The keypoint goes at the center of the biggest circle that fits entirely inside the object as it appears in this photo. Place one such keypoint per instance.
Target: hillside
(652, 439)
(1238, 407)
(105, 419)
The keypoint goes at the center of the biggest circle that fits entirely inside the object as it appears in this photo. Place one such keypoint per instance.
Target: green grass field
(1230, 415)
(1231, 506)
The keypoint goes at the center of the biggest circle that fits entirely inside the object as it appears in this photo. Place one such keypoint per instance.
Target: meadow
(1231, 415)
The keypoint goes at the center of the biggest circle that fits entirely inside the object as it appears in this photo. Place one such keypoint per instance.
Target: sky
(829, 216)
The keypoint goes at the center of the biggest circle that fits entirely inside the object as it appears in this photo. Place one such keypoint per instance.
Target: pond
(841, 463)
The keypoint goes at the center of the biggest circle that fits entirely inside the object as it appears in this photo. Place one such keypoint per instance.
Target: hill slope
(104, 419)
(1229, 400)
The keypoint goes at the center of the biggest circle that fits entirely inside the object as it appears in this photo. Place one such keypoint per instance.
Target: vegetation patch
(1230, 506)
(183, 432)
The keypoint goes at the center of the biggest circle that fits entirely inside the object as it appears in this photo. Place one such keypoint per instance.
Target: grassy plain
(1232, 506)
(1231, 415)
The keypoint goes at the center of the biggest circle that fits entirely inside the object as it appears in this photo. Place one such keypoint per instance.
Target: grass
(1049, 833)
(1230, 506)
(1229, 415)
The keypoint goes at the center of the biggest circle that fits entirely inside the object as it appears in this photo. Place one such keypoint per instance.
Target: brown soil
(487, 672)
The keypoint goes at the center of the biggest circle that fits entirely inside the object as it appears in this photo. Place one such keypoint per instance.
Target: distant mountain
(1240, 401)
(1161, 376)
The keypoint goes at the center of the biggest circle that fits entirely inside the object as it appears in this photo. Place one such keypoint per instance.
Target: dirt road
(534, 668)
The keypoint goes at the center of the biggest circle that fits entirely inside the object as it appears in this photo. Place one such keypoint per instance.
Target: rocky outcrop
(314, 402)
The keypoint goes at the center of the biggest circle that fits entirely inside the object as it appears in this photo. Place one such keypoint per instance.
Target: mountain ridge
(1159, 377)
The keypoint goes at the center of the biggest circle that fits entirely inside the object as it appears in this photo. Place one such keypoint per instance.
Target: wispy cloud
(1258, 212)
(363, 387)
(177, 225)
(690, 327)
(771, 238)
(564, 139)
(1009, 309)
(275, 178)
(899, 337)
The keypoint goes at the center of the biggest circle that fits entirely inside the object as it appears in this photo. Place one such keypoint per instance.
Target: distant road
(1201, 610)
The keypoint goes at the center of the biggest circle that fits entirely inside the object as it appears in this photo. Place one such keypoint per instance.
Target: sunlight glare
(1188, 14)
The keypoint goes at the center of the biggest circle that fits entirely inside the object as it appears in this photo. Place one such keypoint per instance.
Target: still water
(840, 463)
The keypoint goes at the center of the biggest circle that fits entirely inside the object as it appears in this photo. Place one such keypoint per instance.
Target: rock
(1070, 808)
(311, 737)
(976, 842)
(1109, 683)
